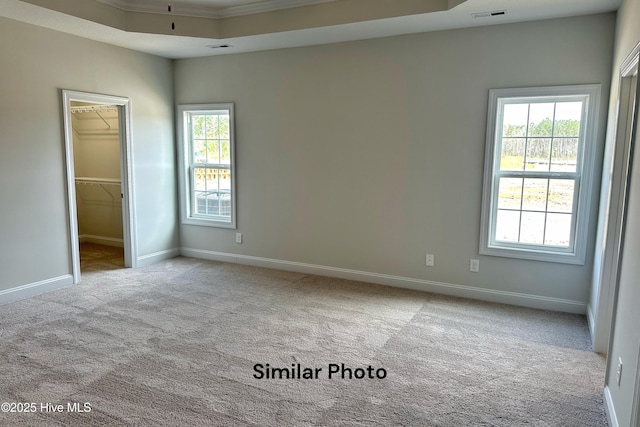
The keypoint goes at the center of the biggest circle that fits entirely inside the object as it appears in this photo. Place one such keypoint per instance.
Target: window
(538, 172)
(207, 172)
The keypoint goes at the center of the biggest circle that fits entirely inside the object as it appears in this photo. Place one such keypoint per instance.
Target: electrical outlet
(430, 260)
(474, 265)
(619, 371)
(238, 237)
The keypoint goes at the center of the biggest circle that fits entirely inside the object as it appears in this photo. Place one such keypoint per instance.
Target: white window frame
(576, 252)
(186, 165)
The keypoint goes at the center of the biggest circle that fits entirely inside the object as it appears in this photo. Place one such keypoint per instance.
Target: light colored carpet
(175, 344)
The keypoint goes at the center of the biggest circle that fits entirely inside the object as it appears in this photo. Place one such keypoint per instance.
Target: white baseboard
(101, 240)
(157, 257)
(591, 321)
(32, 289)
(599, 340)
(611, 411)
(514, 298)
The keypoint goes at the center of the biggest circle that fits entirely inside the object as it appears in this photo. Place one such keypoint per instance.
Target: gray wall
(367, 155)
(626, 335)
(37, 63)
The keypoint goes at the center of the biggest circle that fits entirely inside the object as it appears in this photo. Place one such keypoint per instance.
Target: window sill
(208, 223)
(534, 255)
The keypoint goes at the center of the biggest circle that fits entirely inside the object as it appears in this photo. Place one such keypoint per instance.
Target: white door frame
(613, 217)
(628, 70)
(126, 173)
(635, 412)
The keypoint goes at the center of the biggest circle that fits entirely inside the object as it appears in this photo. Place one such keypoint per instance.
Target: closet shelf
(93, 108)
(88, 180)
(96, 132)
(101, 182)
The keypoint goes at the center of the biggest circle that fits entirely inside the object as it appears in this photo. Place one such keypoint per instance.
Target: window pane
(507, 225)
(216, 197)
(564, 155)
(219, 204)
(567, 119)
(199, 151)
(510, 194)
(514, 120)
(200, 202)
(213, 152)
(223, 196)
(566, 128)
(534, 195)
(561, 195)
(199, 181)
(225, 152)
(223, 132)
(212, 127)
(198, 127)
(218, 180)
(512, 155)
(558, 232)
(538, 154)
(541, 119)
(212, 180)
(532, 228)
(225, 180)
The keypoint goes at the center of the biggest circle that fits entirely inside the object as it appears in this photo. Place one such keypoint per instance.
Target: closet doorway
(99, 181)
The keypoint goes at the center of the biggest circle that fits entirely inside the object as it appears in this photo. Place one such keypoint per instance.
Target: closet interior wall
(96, 155)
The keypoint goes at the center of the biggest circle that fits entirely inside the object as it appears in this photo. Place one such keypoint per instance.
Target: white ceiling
(172, 46)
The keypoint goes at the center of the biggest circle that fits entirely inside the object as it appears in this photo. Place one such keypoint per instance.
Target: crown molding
(150, 6)
(266, 6)
(203, 11)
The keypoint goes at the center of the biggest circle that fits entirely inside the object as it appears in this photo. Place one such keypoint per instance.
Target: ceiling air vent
(489, 14)
(218, 46)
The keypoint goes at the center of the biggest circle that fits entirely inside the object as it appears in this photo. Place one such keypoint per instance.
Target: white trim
(101, 240)
(615, 173)
(635, 410)
(514, 298)
(630, 62)
(185, 184)
(202, 11)
(591, 322)
(129, 217)
(610, 408)
(611, 215)
(153, 6)
(265, 6)
(157, 257)
(576, 253)
(36, 288)
(126, 171)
